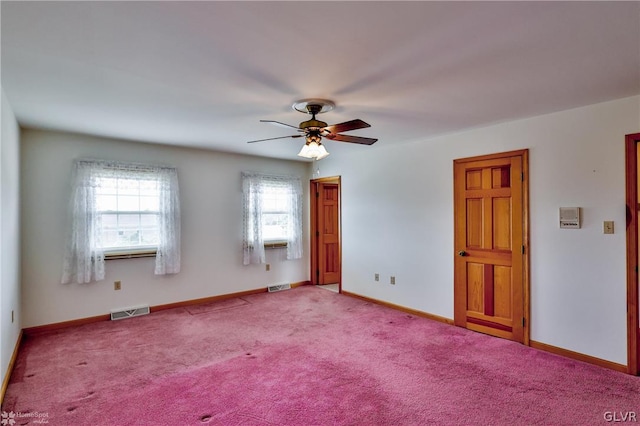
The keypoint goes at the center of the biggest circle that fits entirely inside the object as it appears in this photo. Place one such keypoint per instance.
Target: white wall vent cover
(134, 311)
(278, 287)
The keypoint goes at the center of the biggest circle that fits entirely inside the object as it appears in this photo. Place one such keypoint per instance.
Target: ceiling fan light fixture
(322, 152)
(314, 138)
(313, 150)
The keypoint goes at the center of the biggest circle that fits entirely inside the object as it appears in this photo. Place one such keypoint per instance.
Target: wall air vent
(134, 311)
(278, 287)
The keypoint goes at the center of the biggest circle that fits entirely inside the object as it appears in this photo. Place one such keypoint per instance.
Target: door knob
(462, 253)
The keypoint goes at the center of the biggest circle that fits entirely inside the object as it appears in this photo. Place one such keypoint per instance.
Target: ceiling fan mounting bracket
(313, 106)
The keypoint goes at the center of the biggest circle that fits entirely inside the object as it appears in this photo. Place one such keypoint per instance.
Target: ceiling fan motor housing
(313, 123)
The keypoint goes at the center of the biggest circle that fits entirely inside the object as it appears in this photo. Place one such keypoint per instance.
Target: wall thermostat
(570, 217)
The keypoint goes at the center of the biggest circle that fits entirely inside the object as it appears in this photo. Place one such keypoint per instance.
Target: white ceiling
(203, 74)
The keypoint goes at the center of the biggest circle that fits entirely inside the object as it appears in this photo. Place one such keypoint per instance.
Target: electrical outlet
(608, 227)
(267, 267)
(376, 277)
(392, 280)
(117, 285)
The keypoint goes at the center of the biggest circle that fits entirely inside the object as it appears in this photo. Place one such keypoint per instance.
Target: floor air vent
(278, 287)
(135, 311)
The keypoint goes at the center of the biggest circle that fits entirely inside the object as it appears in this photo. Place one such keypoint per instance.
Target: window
(272, 214)
(129, 211)
(276, 213)
(124, 210)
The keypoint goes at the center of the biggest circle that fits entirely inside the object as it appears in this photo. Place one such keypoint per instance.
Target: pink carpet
(302, 357)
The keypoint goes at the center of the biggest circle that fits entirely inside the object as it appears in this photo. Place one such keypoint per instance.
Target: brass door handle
(462, 253)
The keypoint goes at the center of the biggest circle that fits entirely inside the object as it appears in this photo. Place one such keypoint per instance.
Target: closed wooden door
(325, 215)
(632, 160)
(490, 277)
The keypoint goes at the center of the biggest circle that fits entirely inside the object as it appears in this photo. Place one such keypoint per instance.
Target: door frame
(631, 189)
(526, 279)
(313, 228)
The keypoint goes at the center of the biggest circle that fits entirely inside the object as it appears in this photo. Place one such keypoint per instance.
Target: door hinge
(317, 195)
(317, 272)
(522, 176)
(523, 322)
(317, 233)
(522, 249)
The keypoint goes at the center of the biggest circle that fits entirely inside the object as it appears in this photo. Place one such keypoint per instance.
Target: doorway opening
(326, 233)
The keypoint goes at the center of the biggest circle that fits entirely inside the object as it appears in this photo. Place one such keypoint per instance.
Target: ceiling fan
(314, 130)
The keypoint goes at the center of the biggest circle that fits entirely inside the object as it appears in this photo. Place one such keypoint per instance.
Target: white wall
(397, 212)
(9, 234)
(211, 201)
(397, 220)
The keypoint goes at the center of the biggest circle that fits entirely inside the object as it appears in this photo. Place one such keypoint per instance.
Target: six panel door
(489, 245)
(328, 233)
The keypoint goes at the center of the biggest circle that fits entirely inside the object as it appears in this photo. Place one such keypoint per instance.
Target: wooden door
(326, 215)
(632, 160)
(490, 276)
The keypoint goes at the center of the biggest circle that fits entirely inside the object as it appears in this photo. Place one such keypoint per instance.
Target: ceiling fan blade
(280, 137)
(278, 123)
(351, 139)
(347, 125)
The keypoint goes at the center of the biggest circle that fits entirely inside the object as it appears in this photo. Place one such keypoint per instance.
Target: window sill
(275, 245)
(132, 254)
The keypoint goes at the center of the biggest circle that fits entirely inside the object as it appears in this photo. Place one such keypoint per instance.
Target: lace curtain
(254, 186)
(84, 255)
